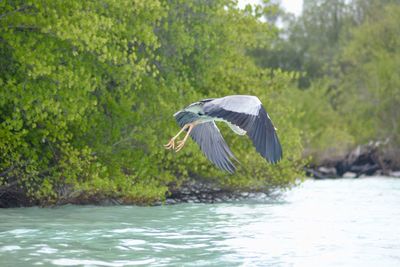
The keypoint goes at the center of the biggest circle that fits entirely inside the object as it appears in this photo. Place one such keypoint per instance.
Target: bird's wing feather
(245, 104)
(248, 113)
(213, 145)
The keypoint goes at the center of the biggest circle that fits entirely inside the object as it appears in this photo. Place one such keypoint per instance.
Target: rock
(349, 175)
(203, 191)
(374, 158)
(394, 174)
(366, 169)
(252, 195)
(185, 191)
(314, 173)
(170, 201)
(328, 172)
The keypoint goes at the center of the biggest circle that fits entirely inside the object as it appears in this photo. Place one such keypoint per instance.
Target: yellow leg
(182, 142)
(171, 143)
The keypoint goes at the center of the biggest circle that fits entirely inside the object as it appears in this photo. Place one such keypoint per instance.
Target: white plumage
(243, 113)
(246, 104)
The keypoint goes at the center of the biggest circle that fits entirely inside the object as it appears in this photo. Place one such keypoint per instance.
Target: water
(321, 223)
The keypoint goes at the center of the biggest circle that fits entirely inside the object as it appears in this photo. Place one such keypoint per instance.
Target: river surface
(347, 222)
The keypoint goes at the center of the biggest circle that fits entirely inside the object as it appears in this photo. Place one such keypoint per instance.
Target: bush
(88, 89)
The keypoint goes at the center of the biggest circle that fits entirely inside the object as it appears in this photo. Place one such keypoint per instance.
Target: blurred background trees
(346, 54)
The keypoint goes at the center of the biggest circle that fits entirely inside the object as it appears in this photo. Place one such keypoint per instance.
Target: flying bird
(244, 114)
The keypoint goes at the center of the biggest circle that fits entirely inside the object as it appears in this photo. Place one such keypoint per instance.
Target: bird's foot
(171, 144)
(180, 145)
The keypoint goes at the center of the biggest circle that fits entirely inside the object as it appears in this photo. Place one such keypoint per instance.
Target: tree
(370, 78)
(88, 89)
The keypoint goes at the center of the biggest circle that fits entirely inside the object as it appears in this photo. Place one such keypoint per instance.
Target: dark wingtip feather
(276, 154)
(265, 139)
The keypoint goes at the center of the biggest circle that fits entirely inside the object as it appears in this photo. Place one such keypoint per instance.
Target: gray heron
(244, 114)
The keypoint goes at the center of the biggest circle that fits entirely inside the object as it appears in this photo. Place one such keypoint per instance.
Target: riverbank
(372, 159)
(191, 191)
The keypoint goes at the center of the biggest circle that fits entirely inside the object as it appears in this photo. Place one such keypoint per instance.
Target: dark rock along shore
(201, 191)
(372, 159)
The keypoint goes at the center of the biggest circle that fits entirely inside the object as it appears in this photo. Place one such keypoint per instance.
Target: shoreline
(191, 192)
(372, 159)
(365, 160)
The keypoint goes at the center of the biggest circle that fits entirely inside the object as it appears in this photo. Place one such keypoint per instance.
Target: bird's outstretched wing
(248, 113)
(213, 145)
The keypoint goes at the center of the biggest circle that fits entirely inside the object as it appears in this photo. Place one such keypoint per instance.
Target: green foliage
(370, 77)
(324, 133)
(309, 44)
(347, 56)
(88, 89)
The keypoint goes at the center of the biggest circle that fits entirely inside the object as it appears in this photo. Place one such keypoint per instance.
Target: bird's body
(244, 115)
(193, 112)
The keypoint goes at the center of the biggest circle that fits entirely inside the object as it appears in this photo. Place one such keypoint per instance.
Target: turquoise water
(321, 223)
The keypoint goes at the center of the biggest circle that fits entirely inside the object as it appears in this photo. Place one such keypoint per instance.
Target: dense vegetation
(347, 54)
(88, 89)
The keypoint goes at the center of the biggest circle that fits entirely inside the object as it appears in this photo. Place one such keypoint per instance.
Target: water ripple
(334, 223)
(10, 248)
(78, 262)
